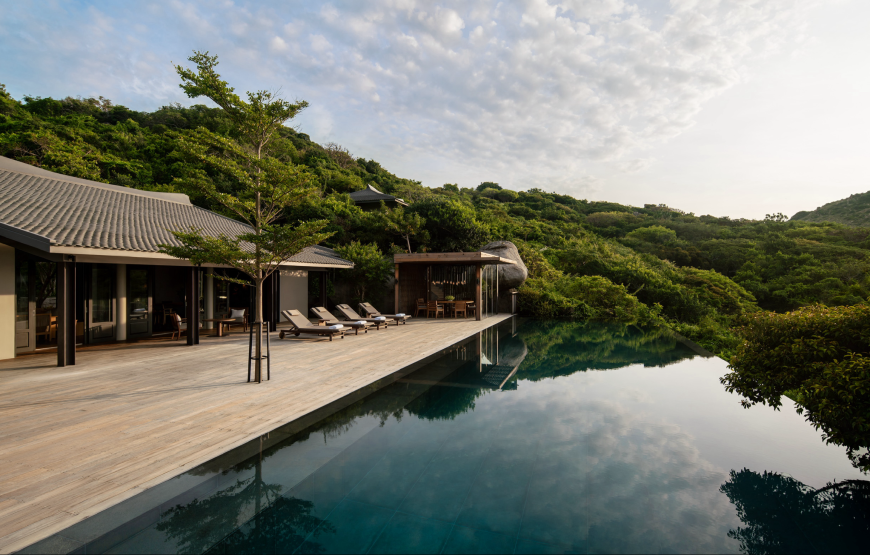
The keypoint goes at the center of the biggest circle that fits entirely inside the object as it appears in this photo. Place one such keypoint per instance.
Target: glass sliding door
(489, 290)
(221, 297)
(24, 333)
(139, 298)
(45, 302)
(35, 303)
(101, 316)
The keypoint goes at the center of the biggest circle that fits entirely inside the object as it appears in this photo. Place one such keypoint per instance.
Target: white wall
(293, 291)
(208, 296)
(7, 302)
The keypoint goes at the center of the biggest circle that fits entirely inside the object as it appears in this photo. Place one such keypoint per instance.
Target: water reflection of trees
(559, 348)
(444, 402)
(783, 515)
(273, 521)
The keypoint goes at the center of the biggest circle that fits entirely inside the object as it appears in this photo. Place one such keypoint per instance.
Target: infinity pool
(532, 437)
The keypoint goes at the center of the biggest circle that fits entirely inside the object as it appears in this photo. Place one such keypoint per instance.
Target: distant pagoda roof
(370, 194)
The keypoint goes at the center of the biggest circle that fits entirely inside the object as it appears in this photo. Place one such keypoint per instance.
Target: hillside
(699, 275)
(853, 211)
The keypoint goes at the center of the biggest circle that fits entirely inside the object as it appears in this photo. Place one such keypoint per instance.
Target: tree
(406, 225)
(340, 155)
(370, 268)
(267, 187)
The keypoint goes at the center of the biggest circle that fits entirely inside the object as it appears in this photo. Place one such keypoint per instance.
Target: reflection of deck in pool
(76, 440)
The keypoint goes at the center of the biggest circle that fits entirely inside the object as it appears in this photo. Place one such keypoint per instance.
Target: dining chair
(433, 306)
(167, 312)
(460, 306)
(421, 306)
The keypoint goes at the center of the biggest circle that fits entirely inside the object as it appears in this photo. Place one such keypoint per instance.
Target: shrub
(653, 234)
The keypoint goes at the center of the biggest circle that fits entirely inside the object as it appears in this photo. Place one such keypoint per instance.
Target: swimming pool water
(531, 437)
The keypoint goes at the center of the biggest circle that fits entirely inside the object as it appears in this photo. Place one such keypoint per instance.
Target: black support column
(192, 292)
(323, 289)
(66, 312)
(270, 300)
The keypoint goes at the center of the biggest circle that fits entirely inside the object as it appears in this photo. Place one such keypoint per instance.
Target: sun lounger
(327, 317)
(351, 315)
(372, 312)
(301, 324)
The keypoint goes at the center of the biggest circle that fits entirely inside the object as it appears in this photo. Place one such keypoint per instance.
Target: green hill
(854, 211)
(603, 261)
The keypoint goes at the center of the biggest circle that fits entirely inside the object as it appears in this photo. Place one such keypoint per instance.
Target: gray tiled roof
(320, 255)
(370, 194)
(75, 212)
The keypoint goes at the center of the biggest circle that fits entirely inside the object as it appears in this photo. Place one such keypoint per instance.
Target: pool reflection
(529, 438)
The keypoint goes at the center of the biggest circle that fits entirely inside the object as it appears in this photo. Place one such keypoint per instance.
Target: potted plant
(449, 298)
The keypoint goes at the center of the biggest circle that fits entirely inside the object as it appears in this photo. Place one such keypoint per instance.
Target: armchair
(240, 315)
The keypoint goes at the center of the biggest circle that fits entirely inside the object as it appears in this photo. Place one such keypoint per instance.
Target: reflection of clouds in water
(621, 481)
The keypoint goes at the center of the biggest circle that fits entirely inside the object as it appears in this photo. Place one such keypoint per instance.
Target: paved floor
(76, 440)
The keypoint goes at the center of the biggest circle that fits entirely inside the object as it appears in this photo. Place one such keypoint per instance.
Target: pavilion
(433, 276)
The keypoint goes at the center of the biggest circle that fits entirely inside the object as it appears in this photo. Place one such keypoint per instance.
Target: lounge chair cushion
(237, 313)
(381, 318)
(336, 327)
(362, 322)
(401, 315)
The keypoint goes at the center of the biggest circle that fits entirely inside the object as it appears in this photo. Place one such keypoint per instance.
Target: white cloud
(536, 90)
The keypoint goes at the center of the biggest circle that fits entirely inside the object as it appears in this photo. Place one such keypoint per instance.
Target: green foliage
(821, 355)
(370, 272)
(550, 293)
(452, 225)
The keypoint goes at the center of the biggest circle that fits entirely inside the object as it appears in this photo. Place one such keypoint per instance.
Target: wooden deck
(77, 440)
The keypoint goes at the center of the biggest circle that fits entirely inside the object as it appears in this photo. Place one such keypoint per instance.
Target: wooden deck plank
(76, 440)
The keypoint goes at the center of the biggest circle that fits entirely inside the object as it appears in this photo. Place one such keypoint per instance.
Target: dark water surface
(533, 437)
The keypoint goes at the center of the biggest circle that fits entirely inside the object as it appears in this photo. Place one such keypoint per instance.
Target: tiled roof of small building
(75, 212)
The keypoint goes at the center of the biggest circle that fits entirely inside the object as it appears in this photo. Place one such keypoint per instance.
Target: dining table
(221, 322)
(451, 303)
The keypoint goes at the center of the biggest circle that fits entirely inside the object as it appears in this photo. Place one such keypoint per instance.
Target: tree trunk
(258, 303)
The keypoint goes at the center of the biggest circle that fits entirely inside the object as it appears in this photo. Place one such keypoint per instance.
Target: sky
(735, 108)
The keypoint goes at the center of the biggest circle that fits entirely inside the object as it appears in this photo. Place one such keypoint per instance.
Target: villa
(80, 264)
(467, 429)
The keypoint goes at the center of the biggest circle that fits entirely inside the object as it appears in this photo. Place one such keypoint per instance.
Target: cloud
(533, 89)
(635, 165)
(610, 471)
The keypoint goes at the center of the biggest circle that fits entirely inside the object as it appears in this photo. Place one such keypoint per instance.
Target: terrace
(77, 440)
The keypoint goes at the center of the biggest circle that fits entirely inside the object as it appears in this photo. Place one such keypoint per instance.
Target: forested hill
(854, 211)
(700, 275)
